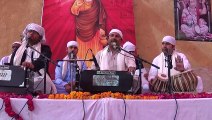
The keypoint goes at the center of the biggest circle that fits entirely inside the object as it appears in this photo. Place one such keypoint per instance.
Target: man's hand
(28, 65)
(179, 64)
(131, 70)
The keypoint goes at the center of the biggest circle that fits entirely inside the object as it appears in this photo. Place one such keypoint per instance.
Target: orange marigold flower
(51, 96)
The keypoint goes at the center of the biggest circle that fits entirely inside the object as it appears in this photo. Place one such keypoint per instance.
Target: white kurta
(119, 61)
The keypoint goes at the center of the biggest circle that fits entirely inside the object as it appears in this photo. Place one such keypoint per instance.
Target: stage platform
(112, 109)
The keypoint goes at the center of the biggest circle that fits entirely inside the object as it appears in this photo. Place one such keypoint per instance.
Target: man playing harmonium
(28, 56)
(182, 77)
(111, 58)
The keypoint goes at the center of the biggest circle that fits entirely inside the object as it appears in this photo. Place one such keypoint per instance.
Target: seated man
(34, 36)
(65, 75)
(179, 62)
(111, 58)
(128, 46)
(5, 59)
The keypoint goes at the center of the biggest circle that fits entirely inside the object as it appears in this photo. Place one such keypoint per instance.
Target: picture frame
(193, 20)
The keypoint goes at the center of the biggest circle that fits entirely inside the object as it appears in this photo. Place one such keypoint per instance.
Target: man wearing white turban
(111, 58)
(130, 47)
(65, 75)
(180, 64)
(34, 36)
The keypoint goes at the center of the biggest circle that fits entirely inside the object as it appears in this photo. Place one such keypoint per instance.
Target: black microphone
(169, 58)
(27, 40)
(95, 61)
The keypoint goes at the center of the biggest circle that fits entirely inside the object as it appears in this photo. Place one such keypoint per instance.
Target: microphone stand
(169, 61)
(46, 59)
(139, 67)
(77, 76)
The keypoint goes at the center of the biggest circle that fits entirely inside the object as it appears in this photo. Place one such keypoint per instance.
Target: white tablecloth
(112, 109)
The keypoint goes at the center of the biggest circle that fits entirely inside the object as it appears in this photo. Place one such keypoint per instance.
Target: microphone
(114, 45)
(27, 40)
(95, 61)
(168, 57)
(71, 55)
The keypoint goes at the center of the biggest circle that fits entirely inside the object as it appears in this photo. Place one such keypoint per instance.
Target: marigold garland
(87, 95)
(147, 96)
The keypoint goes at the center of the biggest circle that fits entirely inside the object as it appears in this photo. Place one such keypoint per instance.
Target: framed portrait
(193, 20)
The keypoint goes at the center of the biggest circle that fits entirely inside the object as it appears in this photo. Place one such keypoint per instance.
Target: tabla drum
(183, 82)
(197, 29)
(159, 85)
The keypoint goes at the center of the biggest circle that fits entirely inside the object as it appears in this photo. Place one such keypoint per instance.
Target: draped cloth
(22, 49)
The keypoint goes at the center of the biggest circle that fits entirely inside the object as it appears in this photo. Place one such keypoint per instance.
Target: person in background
(5, 59)
(65, 75)
(130, 47)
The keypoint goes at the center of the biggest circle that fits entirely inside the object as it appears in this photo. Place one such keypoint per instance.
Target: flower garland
(147, 96)
(87, 95)
(8, 107)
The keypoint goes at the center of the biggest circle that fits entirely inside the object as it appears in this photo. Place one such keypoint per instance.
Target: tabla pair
(183, 82)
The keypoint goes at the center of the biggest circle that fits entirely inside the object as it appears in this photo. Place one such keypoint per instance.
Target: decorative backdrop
(86, 21)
